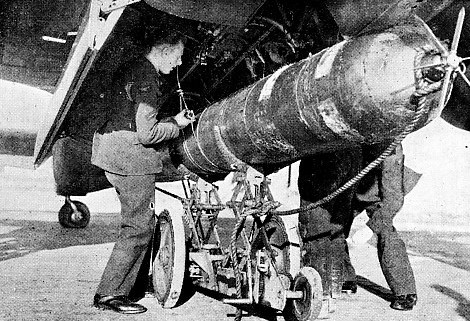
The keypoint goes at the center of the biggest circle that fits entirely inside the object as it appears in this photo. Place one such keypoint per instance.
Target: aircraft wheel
(169, 265)
(74, 214)
(308, 281)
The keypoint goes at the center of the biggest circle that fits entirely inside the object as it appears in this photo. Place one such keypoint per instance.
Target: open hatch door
(92, 34)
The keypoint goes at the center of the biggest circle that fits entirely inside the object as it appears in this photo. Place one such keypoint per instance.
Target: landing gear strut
(74, 214)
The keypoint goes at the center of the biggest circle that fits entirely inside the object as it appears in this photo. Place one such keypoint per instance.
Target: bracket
(110, 5)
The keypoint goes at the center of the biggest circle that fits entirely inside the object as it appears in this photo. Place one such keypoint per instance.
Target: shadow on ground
(463, 308)
(26, 236)
(31, 236)
(451, 248)
(374, 288)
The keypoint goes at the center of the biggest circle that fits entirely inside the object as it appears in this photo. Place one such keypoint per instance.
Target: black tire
(70, 219)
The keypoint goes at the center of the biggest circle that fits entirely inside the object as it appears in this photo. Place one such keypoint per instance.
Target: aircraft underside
(342, 105)
(270, 82)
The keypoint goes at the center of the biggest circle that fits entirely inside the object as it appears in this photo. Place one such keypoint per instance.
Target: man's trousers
(323, 230)
(137, 197)
(381, 193)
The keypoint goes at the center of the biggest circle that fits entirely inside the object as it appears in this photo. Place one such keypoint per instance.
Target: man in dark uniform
(381, 193)
(130, 147)
(323, 230)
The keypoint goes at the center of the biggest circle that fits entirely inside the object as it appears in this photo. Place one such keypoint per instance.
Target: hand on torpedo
(184, 118)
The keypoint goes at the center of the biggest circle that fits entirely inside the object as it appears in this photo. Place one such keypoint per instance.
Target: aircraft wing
(230, 12)
(366, 16)
(224, 37)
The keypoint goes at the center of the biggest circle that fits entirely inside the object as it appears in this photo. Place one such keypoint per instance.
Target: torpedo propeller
(450, 62)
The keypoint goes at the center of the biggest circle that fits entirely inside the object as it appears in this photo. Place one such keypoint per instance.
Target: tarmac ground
(50, 273)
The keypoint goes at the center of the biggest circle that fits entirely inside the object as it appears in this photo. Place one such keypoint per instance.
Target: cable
(183, 106)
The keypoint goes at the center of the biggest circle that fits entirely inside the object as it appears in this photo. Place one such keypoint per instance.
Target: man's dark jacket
(134, 141)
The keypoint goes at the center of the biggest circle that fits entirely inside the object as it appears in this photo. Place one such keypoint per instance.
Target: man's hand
(184, 118)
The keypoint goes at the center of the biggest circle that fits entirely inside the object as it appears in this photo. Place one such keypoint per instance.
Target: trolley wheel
(74, 214)
(279, 241)
(169, 265)
(309, 306)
